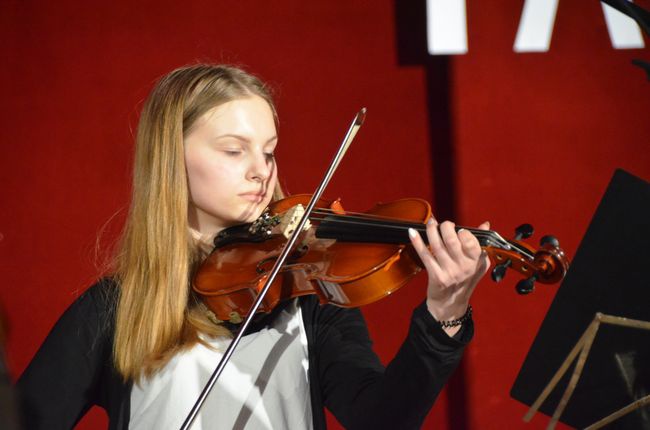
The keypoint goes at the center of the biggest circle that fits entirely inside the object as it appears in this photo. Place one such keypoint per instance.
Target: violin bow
(347, 140)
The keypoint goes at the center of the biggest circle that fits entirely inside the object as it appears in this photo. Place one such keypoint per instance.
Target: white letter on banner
(446, 27)
(536, 26)
(623, 31)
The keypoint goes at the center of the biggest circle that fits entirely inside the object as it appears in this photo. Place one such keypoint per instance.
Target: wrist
(457, 322)
(450, 316)
(445, 312)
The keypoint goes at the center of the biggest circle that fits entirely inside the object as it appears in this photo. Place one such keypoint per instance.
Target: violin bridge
(291, 219)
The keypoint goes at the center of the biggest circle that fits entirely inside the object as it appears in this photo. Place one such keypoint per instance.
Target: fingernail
(462, 229)
(431, 221)
(412, 233)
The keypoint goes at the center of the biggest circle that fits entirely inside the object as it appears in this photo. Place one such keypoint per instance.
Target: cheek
(273, 180)
(207, 179)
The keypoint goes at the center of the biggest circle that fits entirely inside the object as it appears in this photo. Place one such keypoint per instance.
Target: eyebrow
(243, 138)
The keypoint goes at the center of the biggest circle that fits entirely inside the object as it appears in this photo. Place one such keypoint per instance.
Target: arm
(360, 392)
(61, 382)
(353, 383)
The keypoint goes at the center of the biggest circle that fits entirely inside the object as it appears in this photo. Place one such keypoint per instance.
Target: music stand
(608, 275)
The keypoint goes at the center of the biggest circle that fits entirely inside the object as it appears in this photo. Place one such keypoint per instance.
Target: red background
(536, 138)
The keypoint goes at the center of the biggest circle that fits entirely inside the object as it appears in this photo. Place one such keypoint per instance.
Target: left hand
(455, 263)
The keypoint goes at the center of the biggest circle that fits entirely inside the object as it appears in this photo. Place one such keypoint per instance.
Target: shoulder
(104, 293)
(91, 316)
(98, 301)
(74, 361)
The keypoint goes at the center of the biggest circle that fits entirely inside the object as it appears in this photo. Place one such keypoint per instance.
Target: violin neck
(367, 230)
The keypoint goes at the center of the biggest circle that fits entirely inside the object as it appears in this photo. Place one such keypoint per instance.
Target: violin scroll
(547, 265)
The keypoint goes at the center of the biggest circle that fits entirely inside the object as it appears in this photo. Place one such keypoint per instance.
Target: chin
(250, 214)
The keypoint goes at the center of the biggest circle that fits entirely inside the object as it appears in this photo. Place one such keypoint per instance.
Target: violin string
(342, 219)
(402, 226)
(355, 218)
(520, 249)
(404, 222)
(359, 218)
(359, 215)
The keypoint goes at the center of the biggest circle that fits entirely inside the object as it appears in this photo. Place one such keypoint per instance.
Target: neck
(202, 241)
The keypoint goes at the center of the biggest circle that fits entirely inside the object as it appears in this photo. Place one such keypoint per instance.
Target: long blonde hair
(157, 314)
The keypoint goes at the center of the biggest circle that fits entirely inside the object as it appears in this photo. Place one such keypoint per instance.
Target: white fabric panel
(446, 27)
(264, 386)
(536, 26)
(624, 32)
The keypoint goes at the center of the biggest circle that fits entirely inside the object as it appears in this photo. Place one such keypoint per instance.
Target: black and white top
(73, 369)
(263, 387)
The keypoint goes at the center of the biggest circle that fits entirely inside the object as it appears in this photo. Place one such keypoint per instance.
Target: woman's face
(230, 166)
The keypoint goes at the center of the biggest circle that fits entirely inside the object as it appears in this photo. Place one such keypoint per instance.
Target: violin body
(338, 271)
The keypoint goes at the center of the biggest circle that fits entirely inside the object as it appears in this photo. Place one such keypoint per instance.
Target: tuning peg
(524, 231)
(526, 286)
(499, 270)
(549, 240)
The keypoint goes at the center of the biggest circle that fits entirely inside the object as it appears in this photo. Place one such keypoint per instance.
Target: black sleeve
(62, 381)
(360, 392)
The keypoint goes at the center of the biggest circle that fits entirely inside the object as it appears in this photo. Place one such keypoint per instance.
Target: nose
(261, 167)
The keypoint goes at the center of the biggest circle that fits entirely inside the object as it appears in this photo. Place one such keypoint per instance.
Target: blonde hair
(157, 313)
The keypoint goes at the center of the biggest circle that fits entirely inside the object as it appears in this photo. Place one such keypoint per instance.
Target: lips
(253, 197)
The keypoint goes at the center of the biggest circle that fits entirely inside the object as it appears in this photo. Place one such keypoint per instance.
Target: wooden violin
(346, 259)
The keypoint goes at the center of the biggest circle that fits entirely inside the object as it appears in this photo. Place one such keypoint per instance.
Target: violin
(346, 259)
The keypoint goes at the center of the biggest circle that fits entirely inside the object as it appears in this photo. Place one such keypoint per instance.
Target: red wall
(536, 139)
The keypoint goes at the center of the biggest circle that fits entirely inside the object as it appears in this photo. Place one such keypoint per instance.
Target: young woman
(141, 344)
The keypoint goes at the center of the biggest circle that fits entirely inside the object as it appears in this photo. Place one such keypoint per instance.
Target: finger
(484, 226)
(437, 246)
(423, 252)
(451, 240)
(483, 265)
(470, 245)
(481, 268)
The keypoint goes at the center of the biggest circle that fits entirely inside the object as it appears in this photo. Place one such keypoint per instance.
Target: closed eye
(231, 152)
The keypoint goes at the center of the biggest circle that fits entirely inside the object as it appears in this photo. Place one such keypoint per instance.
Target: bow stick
(347, 140)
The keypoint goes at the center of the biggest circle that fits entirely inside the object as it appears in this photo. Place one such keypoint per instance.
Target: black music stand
(584, 366)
